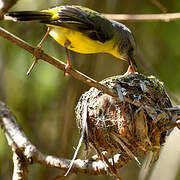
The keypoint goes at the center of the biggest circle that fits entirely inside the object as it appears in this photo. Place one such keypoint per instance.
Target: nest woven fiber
(129, 125)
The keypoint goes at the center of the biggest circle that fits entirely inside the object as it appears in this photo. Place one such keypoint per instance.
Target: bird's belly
(79, 42)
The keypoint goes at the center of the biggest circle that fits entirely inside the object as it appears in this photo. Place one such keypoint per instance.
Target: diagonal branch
(159, 5)
(57, 63)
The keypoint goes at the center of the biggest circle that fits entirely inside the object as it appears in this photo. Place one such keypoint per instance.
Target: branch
(20, 167)
(55, 62)
(159, 5)
(25, 152)
(144, 17)
(5, 5)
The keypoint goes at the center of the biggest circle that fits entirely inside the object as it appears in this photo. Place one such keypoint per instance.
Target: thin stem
(144, 17)
(5, 5)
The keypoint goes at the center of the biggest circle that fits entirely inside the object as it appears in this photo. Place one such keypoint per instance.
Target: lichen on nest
(129, 125)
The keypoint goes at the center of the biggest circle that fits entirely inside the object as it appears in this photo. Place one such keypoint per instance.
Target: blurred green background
(44, 102)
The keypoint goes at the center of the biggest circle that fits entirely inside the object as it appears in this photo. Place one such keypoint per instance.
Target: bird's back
(84, 30)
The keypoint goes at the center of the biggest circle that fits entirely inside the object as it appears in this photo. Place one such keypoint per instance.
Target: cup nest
(129, 125)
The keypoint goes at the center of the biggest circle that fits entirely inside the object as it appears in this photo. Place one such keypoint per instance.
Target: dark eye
(131, 50)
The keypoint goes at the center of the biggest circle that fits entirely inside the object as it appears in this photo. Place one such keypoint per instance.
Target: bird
(83, 30)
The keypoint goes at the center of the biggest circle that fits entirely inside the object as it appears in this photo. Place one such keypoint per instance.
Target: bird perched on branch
(84, 31)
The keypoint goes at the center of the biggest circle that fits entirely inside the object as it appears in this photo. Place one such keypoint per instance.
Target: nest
(131, 124)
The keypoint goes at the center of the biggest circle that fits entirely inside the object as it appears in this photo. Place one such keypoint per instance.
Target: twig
(159, 5)
(144, 17)
(5, 5)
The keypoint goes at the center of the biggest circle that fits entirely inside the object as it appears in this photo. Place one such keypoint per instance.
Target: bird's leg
(36, 51)
(68, 65)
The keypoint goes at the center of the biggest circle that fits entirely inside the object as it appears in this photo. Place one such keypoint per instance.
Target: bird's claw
(37, 52)
(67, 67)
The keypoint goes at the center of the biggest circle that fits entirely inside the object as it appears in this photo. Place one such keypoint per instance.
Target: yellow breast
(81, 43)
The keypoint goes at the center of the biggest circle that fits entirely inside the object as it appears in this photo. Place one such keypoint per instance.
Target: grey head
(126, 43)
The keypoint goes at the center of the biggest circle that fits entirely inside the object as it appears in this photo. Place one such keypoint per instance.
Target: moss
(156, 83)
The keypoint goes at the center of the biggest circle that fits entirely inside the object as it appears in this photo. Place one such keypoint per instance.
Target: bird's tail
(38, 16)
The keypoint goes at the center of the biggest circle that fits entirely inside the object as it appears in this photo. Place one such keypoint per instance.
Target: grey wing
(91, 24)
